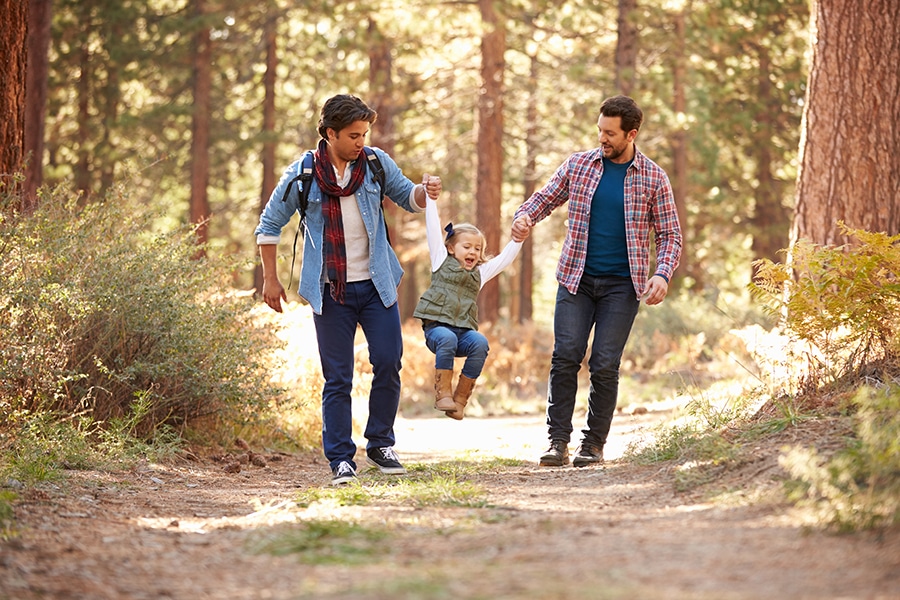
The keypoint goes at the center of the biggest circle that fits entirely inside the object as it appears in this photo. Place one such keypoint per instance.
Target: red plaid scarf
(335, 251)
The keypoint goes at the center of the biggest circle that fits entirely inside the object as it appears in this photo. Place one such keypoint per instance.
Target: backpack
(305, 178)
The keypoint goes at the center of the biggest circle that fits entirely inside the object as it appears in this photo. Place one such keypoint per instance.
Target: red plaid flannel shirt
(649, 204)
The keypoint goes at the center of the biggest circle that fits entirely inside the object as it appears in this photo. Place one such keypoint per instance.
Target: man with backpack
(349, 273)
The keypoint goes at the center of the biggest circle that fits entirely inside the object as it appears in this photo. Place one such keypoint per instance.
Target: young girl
(449, 309)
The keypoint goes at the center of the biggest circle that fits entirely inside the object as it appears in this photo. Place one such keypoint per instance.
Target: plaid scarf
(335, 252)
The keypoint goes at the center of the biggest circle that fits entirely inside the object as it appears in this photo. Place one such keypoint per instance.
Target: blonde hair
(471, 229)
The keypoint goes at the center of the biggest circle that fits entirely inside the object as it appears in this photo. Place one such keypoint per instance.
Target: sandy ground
(192, 530)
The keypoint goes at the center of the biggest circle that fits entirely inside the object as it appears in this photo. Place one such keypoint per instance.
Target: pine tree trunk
(270, 33)
(770, 220)
(13, 28)
(680, 140)
(384, 135)
(526, 271)
(82, 174)
(850, 149)
(626, 47)
(202, 59)
(39, 18)
(490, 148)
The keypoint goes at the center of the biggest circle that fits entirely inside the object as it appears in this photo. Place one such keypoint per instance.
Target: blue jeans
(335, 332)
(609, 306)
(448, 342)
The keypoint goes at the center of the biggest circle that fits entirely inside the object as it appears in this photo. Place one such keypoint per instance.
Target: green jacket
(452, 296)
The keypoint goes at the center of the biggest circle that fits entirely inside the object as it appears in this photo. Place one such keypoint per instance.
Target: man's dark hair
(626, 108)
(343, 110)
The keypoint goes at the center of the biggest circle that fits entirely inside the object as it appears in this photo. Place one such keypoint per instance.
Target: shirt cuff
(266, 240)
(412, 199)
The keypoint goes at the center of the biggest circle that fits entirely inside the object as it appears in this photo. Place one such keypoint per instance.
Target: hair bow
(449, 230)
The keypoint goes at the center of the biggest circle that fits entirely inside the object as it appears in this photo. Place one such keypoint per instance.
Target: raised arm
(436, 248)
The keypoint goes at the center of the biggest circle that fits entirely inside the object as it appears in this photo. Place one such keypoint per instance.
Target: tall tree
(679, 136)
(850, 150)
(626, 47)
(84, 92)
(270, 39)
(770, 219)
(526, 274)
(202, 66)
(13, 30)
(39, 19)
(384, 135)
(489, 174)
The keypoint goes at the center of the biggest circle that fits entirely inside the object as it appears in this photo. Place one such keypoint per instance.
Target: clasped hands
(521, 228)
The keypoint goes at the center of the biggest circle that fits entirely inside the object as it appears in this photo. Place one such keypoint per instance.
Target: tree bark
(770, 220)
(384, 135)
(526, 271)
(626, 47)
(850, 149)
(680, 140)
(381, 88)
(39, 18)
(82, 172)
(270, 34)
(490, 147)
(13, 29)
(202, 59)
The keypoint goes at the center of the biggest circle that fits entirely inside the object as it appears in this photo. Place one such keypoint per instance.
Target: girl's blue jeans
(449, 342)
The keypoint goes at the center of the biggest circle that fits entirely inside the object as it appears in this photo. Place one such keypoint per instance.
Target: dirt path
(191, 530)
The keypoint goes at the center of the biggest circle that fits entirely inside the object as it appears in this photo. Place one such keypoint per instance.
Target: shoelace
(344, 469)
(389, 454)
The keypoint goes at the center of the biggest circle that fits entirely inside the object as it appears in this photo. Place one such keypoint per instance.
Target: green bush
(844, 301)
(102, 317)
(858, 487)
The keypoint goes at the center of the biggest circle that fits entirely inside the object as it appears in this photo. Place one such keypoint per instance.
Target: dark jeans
(335, 332)
(607, 305)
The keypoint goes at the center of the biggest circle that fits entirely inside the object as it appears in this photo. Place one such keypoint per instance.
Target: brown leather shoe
(556, 455)
(587, 455)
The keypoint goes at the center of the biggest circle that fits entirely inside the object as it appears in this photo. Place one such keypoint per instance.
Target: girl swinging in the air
(449, 308)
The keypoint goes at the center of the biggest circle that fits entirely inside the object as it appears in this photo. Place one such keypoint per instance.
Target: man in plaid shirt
(615, 196)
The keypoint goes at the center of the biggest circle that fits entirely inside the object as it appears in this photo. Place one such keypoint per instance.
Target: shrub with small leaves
(100, 314)
(844, 300)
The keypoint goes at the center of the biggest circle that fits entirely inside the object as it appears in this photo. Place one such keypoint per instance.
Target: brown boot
(443, 389)
(461, 396)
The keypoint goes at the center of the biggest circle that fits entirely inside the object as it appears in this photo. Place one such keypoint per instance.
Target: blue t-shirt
(607, 250)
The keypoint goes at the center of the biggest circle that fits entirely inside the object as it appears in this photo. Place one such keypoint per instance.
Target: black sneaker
(556, 455)
(386, 460)
(588, 454)
(343, 473)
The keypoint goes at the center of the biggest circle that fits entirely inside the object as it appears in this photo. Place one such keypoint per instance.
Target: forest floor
(190, 529)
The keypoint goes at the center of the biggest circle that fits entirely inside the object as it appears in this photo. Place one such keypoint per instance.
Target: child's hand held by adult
(432, 185)
(521, 228)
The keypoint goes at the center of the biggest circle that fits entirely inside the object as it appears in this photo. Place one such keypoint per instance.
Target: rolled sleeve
(283, 203)
(267, 240)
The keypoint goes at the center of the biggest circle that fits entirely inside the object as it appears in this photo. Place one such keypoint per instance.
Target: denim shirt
(384, 267)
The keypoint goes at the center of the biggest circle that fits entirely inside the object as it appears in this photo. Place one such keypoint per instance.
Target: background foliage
(121, 101)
